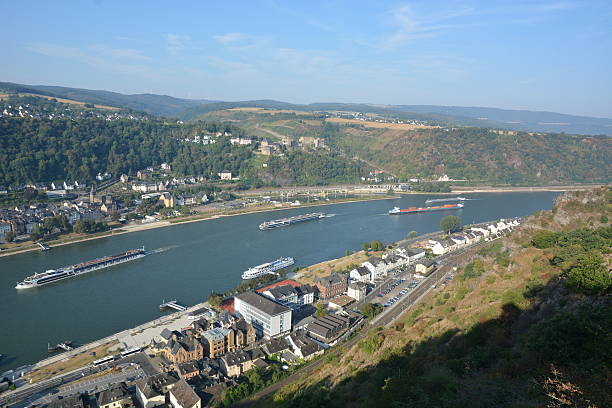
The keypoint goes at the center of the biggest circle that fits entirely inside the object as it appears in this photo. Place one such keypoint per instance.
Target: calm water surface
(195, 259)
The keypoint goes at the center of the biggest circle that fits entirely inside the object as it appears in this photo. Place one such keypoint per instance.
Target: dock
(172, 304)
(66, 346)
(43, 246)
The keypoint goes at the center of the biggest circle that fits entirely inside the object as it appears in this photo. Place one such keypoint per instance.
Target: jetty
(66, 346)
(43, 246)
(172, 304)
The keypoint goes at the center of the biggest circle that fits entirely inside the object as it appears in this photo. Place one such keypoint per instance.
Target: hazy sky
(540, 55)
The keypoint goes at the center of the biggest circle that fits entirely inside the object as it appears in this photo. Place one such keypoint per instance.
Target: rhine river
(196, 258)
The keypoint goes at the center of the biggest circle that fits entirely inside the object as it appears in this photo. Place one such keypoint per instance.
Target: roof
(216, 334)
(262, 303)
(280, 292)
(275, 345)
(375, 261)
(342, 301)
(116, 392)
(281, 283)
(188, 367)
(358, 285)
(331, 280)
(74, 401)
(184, 394)
(426, 262)
(362, 270)
(151, 386)
(236, 357)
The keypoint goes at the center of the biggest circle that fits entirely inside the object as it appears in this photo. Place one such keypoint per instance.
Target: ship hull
(261, 270)
(397, 211)
(284, 222)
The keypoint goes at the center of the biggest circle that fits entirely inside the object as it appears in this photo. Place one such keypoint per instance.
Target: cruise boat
(54, 275)
(413, 210)
(283, 222)
(264, 269)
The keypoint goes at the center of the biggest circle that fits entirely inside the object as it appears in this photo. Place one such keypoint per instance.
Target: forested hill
(39, 150)
(43, 150)
(526, 322)
(479, 154)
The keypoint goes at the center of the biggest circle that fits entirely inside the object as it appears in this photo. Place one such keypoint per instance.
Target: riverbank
(126, 229)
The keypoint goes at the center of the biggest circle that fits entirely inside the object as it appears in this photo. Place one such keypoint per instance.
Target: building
(411, 254)
(269, 318)
(225, 175)
(286, 295)
(377, 268)
(218, 341)
(331, 286)
(328, 327)
(183, 347)
(360, 274)
(425, 267)
(73, 401)
(357, 290)
(117, 396)
(244, 333)
(168, 200)
(436, 247)
(151, 391)
(236, 363)
(188, 369)
(304, 347)
(340, 302)
(183, 396)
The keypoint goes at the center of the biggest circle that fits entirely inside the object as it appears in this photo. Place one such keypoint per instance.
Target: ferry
(413, 210)
(440, 200)
(54, 275)
(264, 269)
(283, 222)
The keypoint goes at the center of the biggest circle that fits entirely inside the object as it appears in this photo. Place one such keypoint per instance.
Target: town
(199, 355)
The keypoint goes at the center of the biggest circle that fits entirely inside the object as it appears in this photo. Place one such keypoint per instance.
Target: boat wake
(162, 249)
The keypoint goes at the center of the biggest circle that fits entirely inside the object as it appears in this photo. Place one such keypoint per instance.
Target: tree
(347, 252)
(370, 309)
(215, 299)
(37, 232)
(450, 223)
(321, 310)
(10, 236)
(544, 239)
(589, 276)
(365, 246)
(412, 234)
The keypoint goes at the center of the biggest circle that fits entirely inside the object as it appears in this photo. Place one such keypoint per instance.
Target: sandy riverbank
(179, 221)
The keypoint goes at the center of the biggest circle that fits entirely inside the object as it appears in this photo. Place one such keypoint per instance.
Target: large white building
(270, 319)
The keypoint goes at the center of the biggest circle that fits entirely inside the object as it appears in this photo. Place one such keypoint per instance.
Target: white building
(357, 291)
(270, 319)
(360, 274)
(225, 175)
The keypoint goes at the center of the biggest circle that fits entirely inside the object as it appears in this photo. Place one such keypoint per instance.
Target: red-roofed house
(281, 283)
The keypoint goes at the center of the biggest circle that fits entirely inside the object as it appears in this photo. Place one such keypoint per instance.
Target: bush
(544, 239)
(588, 276)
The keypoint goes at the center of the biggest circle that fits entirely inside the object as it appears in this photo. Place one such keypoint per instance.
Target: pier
(43, 246)
(172, 304)
(66, 346)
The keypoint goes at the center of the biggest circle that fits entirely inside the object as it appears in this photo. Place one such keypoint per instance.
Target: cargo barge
(413, 210)
(54, 275)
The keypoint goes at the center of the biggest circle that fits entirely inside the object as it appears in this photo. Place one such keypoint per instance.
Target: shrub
(588, 276)
(544, 239)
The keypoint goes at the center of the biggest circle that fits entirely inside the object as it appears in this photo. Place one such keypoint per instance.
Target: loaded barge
(413, 210)
(54, 275)
(283, 222)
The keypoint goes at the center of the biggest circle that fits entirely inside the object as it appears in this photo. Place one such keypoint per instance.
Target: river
(191, 260)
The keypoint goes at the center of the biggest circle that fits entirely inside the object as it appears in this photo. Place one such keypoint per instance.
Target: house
(395, 261)
(377, 268)
(189, 199)
(459, 240)
(151, 391)
(357, 290)
(305, 294)
(449, 245)
(331, 286)
(225, 175)
(168, 200)
(183, 347)
(218, 341)
(269, 318)
(483, 231)
(188, 369)
(144, 174)
(276, 346)
(117, 396)
(425, 267)
(73, 401)
(124, 178)
(436, 247)
(285, 294)
(328, 327)
(244, 333)
(304, 347)
(183, 396)
(241, 141)
(238, 362)
(165, 166)
(360, 274)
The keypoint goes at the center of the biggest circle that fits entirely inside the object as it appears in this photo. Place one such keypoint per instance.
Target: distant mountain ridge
(187, 109)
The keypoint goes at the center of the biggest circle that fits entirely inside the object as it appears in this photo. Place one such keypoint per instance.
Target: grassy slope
(465, 345)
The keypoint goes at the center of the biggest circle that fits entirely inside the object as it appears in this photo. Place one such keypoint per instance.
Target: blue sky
(539, 55)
